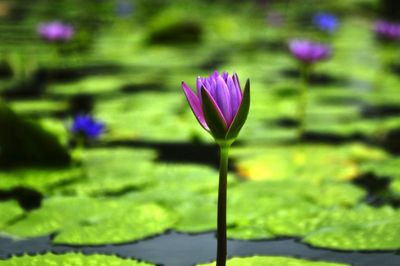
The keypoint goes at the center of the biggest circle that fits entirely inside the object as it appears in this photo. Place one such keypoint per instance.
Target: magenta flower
(309, 52)
(55, 31)
(219, 105)
(221, 108)
(387, 31)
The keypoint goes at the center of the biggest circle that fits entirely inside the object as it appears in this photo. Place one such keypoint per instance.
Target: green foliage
(44, 180)
(9, 211)
(388, 168)
(274, 261)
(284, 208)
(124, 194)
(70, 259)
(136, 118)
(308, 162)
(360, 229)
(112, 171)
(93, 221)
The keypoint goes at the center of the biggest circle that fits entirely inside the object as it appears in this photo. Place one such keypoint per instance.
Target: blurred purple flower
(88, 127)
(225, 101)
(309, 52)
(387, 31)
(325, 21)
(55, 31)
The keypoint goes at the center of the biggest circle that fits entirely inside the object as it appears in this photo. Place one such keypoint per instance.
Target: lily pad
(113, 171)
(70, 259)
(311, 162)
(274, 261)
(9, 211)
(388, 168)
(43, 180)
(360, 229)
(283, 208)
(80, 220)
(167, 118)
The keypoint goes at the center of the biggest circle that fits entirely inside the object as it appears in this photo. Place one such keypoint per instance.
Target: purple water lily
(325, 21)
(87, 126)
(55, 31)
(309, 52)
(224, 91)
(387, 31)
(221, 108)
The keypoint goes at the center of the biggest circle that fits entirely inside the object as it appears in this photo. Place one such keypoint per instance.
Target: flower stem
(222, 195)
(304, 76)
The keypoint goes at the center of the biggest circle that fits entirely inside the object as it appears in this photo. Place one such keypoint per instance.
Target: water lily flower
(219, 105)
(87, 126)
(325, 21)
(309, 52)
(55, 31)
(387, 31)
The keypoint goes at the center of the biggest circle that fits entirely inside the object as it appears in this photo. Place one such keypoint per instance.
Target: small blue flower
(85, 125)
(325, 21)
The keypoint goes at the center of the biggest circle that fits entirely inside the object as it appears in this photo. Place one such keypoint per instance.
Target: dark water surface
(178, 249)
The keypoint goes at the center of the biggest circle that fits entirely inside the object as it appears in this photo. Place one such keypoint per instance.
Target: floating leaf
(113, 171)
(9, 211)
(274, 261)
(70, 259)
(82, 220)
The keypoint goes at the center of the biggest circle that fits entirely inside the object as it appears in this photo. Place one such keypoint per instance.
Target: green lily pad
(197, 213)
(167, 118)
(188, 190)
(388, 168)
(190, 177)
(91, 85)
(395, 186)
(38, 106)
(265, 209)
(311, 162)
(359, 229)
(43, 180)
(82, 220)
(274, 261)
(70, 259)
(294, 221)
(112, 171)
(9, 211)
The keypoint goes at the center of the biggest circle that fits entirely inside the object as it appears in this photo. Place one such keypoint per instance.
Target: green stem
(222, 195)
(304, 76)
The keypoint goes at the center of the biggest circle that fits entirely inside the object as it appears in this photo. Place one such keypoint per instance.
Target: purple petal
(195, 104)
(216, 107)
(235, 94)
(223, 99)
(199, 83)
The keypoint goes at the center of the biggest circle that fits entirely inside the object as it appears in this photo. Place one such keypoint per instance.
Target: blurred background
(93, 120)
